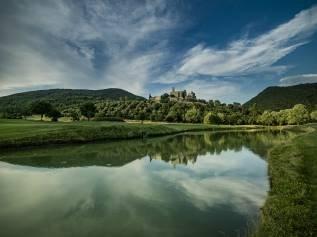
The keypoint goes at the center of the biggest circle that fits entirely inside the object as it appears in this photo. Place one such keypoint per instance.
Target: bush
(211, 118)
(313, 116)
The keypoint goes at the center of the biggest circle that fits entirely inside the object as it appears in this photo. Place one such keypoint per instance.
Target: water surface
(201, 184)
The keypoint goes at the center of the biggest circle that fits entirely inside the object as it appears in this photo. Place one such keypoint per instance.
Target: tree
(25, 111)
(192, 115)
(54, 114)
(313, 116)
(171, 116)
(298, 115)
(74, 115)
(211, 118)
(267, 118)
(282, 115)
(142, 116)
(221, 118)
(234, 118)
(41, 108)
(253, 114)
(165, 98)
(88, 110)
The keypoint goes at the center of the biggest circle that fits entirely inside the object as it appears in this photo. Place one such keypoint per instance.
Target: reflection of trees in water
(179, 149)
(182, 149)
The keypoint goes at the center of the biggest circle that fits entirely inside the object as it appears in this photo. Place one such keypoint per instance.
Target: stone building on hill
(176, 96)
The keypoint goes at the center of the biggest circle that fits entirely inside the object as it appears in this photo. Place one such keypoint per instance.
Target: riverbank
(291, 207)
(19, 133)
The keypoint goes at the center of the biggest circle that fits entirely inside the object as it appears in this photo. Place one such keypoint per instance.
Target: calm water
(200, 184)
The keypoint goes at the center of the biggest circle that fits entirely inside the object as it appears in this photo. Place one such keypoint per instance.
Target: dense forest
(277, 98)
(211, 112)
(65, 98)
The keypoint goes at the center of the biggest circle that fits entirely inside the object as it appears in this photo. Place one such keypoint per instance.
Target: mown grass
(16, 133)
(291, 207)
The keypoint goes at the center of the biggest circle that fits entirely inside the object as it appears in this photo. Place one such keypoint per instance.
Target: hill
(66, 97)
(277, 98)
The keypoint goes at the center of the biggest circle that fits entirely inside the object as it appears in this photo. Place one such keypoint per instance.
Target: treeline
(211, 112)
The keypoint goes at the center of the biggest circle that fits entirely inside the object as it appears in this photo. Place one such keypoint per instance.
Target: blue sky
(222, 49)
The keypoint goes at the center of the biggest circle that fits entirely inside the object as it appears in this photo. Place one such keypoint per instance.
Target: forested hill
(277, 98)
(66, 97)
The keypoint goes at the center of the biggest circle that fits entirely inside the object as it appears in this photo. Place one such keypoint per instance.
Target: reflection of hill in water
(179, 149)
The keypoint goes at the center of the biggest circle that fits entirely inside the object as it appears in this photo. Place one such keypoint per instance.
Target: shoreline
(290, 208)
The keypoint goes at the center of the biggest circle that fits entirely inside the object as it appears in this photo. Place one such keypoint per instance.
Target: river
(193, 184)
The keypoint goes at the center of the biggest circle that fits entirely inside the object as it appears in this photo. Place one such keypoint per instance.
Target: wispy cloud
(298, 79)
(247, 56)
(93, 44)
(129, 44)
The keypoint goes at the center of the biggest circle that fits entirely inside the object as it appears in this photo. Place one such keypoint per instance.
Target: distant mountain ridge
(65, 97)
(277, 98)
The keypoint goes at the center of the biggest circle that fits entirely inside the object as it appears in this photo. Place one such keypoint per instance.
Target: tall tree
(41, 107)
(298, 115)
(54, 114)
(88, 110)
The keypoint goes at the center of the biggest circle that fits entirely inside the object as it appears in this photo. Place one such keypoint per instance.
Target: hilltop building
(176, 96)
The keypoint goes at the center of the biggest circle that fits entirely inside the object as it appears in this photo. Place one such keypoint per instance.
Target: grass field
(291, 208)
(16, 133)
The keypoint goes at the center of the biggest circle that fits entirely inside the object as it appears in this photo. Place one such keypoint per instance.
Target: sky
(221, 49)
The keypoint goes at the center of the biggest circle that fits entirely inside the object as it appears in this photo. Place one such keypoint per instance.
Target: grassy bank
(291, 208)
(17, 133)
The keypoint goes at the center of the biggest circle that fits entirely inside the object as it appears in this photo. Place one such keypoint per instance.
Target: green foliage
(165, 98)
(54, 114)
(281, 117)
(142, 116)
(165, 110)
(278, 98)
(63, 99)
(267, 118)
(298, 115)
(88, 110)
(15, 112)
(172, 116)
(193, 116)
(313, 116)
(211, 118)
(74, 115)
(41, 107)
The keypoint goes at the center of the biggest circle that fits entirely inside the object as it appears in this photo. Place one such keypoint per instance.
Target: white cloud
(101, 44)
(247, 56)
(131, 73)
(298, 79)
(82, 45)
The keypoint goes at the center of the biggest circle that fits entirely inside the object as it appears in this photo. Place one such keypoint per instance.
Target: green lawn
(291, 208)
(14, 133)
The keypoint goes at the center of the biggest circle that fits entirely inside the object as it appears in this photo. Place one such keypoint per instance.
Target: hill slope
(277, 98)
(66, 97)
